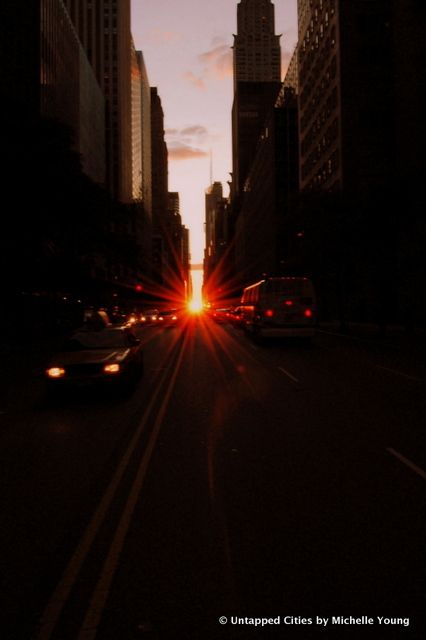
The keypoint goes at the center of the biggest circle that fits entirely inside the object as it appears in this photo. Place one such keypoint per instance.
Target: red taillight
(288, 303)
(269, 313)
(308, 313)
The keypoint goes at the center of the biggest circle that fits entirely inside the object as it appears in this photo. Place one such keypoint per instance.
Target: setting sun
(195, 306)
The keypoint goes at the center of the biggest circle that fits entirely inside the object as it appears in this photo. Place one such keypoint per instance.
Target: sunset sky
(188, 56)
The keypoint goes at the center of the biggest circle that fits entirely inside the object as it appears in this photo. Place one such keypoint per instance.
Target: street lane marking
(407, 462)
(61, 594)
(400, 373)
(288, 374)
(96, 607)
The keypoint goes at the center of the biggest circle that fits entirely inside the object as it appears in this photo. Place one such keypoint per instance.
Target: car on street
(220, 316)
(170, 317)
(236, 317)
(282, 306)
(110, 356)
(149, 316)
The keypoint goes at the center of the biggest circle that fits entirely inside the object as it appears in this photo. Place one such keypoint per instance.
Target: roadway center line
(288, 374)
(407, 462)
(400, 373)
(61, 594)
(100, 594)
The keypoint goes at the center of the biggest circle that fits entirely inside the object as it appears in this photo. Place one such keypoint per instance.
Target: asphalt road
(238, 481)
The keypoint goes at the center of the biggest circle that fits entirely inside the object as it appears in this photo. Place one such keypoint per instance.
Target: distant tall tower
(257, 52)
(257, 81)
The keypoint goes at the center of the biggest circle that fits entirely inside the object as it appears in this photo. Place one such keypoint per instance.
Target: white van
(279, 307)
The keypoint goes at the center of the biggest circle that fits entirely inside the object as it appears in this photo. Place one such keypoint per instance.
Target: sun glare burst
(195, 306)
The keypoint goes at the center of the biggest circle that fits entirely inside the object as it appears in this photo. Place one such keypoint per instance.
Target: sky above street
(188, 56)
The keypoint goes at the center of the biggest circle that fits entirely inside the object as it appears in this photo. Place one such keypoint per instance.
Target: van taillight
(308, 313)
(269, 313)
(288, 303)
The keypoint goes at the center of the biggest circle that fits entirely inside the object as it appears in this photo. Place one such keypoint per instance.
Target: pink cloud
(157, 36)
(179, 151)
(195, 130)
(218, 61)
(194, 80)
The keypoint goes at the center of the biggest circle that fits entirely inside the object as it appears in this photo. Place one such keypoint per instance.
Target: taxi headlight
(112, 368)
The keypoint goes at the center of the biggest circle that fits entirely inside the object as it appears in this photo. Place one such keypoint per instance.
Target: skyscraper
(346, 96)
(361, 127)
(103, 27)
(46, 73)
(257, 81)
(214, 195)
(159, 160)
(146, 138)
(257, 76)
(257, 53)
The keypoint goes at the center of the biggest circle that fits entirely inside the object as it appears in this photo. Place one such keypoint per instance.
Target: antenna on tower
(211, 166)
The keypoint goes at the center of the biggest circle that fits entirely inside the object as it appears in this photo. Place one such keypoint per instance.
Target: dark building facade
(216, 245)
(346, 94)
(257, 80)
(252, 104)
(104, 31)
(45, 73)
(270, 193)
(361, 135)
(159, 168)
(174, 237)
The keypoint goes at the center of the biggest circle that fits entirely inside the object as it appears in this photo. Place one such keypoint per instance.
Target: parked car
(110, 356)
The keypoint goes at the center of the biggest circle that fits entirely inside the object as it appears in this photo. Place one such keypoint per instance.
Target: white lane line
(407, 462)
(288, 374)
(401, 373)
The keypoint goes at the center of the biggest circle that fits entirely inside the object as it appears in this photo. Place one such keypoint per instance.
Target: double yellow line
(60, 596)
